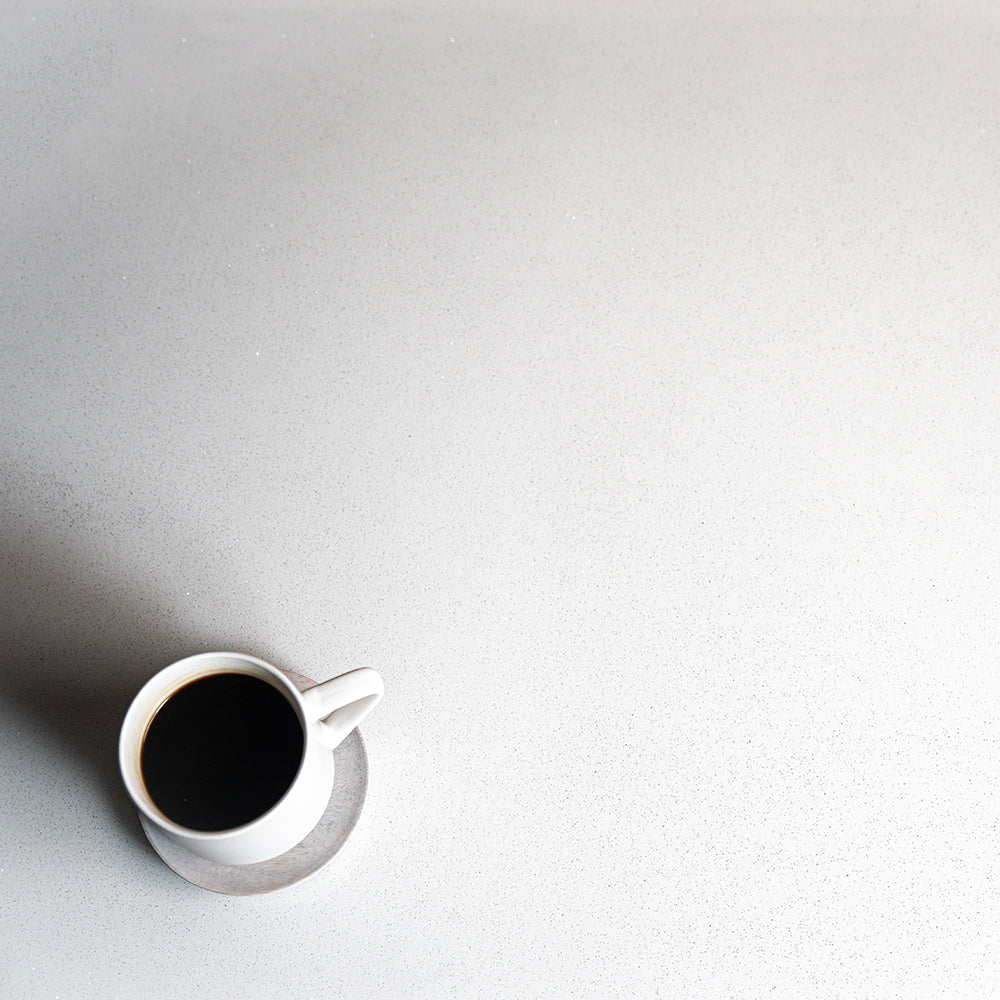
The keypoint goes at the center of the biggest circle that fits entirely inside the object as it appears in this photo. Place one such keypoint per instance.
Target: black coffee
(221, 751)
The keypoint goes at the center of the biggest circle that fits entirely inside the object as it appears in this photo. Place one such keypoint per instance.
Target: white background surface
(621, 381)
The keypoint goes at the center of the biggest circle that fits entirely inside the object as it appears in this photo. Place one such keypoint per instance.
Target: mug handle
(338, 705)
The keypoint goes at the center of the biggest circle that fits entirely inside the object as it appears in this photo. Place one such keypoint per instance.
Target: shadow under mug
(327, 713)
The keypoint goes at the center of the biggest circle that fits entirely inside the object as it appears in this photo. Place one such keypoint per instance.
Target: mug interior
(164, 686)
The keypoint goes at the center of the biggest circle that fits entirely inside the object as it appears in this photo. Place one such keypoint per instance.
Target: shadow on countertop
(75, 648)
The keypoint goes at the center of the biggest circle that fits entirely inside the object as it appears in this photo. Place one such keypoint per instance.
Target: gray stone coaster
(306, 858)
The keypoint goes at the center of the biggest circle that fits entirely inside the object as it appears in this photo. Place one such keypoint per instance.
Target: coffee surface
(221, 751)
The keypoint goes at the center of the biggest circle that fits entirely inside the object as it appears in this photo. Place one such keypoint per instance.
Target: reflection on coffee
(221, 751)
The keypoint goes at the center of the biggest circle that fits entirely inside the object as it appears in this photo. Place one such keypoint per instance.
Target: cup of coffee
(232, 761)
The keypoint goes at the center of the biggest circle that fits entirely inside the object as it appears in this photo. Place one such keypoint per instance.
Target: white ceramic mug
(327, 712)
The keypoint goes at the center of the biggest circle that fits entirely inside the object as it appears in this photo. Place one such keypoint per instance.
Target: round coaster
(306, 858)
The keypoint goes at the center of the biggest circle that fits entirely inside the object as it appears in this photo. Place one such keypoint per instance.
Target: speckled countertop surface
(621, 381)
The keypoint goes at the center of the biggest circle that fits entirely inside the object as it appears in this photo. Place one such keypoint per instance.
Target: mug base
(305, 858)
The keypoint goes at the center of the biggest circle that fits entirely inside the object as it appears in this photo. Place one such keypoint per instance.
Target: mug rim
(130, 750)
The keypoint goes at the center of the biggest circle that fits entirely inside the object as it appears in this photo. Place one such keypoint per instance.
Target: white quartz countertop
(621, 381)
